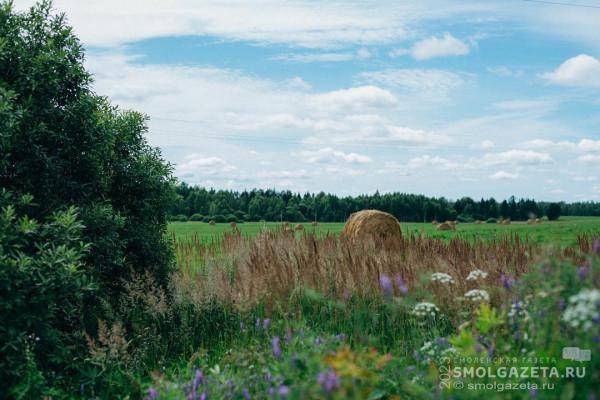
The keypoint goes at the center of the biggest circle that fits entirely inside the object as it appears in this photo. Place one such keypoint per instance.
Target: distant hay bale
(371, 224)
(538, 221)
(233, 225)
(211, 222)
(314, 223)
(478, 221)
(286, 224)
(299, 227)
(446, 227)
(455, 222)
(531, 221)
(434, 222)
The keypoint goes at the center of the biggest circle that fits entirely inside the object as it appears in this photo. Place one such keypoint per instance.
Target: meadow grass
(563, 232)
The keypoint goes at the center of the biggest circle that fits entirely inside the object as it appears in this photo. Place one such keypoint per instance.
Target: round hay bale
(538, 221)
(434, 222)
(232, 224)
(371, 224)
(211, 222)
(455, 222)
(446, 227)
(314, 223)
(299, 227)
(531, 221)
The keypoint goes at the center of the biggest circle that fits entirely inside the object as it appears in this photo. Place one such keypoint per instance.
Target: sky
(443, 98)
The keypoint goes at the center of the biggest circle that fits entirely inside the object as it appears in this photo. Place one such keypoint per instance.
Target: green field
(563, 231)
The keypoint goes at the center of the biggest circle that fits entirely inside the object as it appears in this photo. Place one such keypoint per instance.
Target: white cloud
(361, 54)
(432, 81)
(426, 161)
(433, 47)
(357, 98)
(589, 145)
(549, 145)
(196, 163)
(302, 23)
(505, 71)
(503, 175)
(582, 70)
(483, 145)
(516, 157)
(593, 159)
(328, 154)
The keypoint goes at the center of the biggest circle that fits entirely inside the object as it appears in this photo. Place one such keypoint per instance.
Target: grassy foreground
(563, 232)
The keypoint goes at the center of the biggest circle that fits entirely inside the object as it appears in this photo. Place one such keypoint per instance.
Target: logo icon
(576, 354)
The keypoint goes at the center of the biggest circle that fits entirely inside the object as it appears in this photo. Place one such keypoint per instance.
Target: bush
(67, 146)
(240, 215)
(218, 218)
(491, 221)
(206, 219)
(178, 218)
(465, 219)
(231, 218)
(553, 212)
(196, 217)
(43, 291)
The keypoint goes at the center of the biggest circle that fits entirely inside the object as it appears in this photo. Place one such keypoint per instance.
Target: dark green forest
(197, 203)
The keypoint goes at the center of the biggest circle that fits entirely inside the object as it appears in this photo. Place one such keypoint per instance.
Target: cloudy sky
(452, 98)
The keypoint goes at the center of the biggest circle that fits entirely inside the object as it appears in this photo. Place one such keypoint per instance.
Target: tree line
(202, 204)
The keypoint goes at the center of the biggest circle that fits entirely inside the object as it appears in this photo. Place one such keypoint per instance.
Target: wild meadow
(102, 298)
(301, 316)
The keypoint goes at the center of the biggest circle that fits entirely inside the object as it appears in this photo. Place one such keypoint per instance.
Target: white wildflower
(518, 310)
(583, 309)
(477, 295)
(476, 274)
(442, 277)
(425, 309)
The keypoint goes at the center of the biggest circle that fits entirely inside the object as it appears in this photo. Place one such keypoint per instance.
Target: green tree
(67, 146)
(553, 212)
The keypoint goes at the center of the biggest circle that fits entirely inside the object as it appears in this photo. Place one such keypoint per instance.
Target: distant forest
(201, 204)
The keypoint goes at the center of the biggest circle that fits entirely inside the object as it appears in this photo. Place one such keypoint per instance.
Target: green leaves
(487, 318)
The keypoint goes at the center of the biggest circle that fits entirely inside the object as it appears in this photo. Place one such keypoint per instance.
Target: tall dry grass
(272, 266)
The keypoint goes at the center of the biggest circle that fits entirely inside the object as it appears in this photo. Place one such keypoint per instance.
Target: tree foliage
(67, 146)
(274, 205)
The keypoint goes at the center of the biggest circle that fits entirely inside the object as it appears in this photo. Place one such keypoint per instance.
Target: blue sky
(445, 98)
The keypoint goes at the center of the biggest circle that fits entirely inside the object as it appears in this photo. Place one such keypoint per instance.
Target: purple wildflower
(340, 337)
(257, 324)
(283, 391)
(386, 285)
(533, 393)
(583, 271)
(329, 381)
(276, 344)
(266, 323)
(319, 341)
(596, 247)
(152, 394)
(246, 394)
(198, 379)
(203, 396)
(401, 284)
(507, 281)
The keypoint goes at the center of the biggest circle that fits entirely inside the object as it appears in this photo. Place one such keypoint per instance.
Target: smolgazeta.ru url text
(510, 372)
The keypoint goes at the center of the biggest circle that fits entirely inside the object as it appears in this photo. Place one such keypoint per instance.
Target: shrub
(218, 218)
(553, 212)
(67, 146)
(230, 218)
(491, 221)
(240, 215)
(206, 219)
(43, 291)
(178, 218)
(196, 217)
(465, 218)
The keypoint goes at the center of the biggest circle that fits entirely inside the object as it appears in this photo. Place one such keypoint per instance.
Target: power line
(557, 3)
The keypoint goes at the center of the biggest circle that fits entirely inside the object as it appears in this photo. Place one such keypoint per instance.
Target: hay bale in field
(455, 222)
(446, 227)
(434, 222)
(538, 221)
(531, 221)
(286, 224)
(314, 223)
(211, 222)
(299, 227)
(233, 225)
(478, 221)
(371, 224)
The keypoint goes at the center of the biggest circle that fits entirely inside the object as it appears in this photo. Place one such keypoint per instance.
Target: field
(564, 231)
